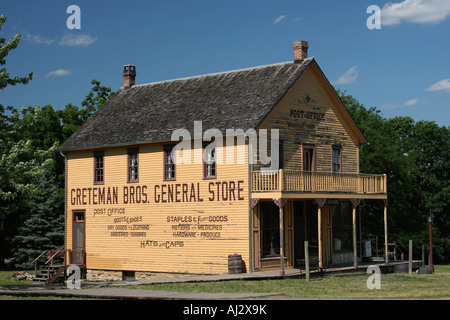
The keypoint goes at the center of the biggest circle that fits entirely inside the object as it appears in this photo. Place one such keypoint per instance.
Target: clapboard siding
(195, 228)
(159, 249)
(318, 122)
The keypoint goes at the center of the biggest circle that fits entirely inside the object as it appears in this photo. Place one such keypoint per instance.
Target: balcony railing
(307, 181)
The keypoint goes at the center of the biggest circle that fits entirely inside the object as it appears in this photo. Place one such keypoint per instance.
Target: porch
(311, 198)
(297, 182)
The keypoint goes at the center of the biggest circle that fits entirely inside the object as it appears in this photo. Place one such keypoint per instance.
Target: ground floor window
(311, 228)
(342, 227)
(270, 227)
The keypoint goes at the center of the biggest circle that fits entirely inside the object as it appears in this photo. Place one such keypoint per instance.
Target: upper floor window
(169, 163)
(308, 158)
(99, 167)
(133, 165)
(337, 158)
(209, 162)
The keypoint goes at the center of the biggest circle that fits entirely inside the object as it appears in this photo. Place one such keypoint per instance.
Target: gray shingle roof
(150, 112)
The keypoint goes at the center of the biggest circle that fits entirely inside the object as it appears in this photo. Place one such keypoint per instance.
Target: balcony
(302, 183)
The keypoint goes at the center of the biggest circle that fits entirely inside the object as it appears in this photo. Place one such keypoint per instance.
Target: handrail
(54, 255)
(39, 256)
(66, 256)
(313, 181)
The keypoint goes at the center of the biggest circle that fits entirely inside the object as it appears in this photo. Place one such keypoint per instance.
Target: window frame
(269, 227)
(130, 166)
(311, 147)
(96, 156)
(205, 164)
(339, 149)
(167, 150)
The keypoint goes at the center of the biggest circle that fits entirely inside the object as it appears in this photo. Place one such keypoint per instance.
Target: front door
(78, 241)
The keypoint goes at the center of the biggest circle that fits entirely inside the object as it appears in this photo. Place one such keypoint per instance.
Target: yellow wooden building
(132, 207)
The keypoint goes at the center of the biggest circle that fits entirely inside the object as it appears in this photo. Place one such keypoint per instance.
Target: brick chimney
(129, 75)
(300, 51)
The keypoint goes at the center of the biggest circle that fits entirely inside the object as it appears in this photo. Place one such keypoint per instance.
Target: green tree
(381, 155)
(95, 99)
(41, 226)
(32, 174)
(20, 166)
(416, 159)
(427, 147)
(31, 169)
(73, 117)
(41, 126)
(5, 47)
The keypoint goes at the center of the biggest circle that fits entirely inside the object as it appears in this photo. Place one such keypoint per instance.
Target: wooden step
(48, 274)
(40, 277)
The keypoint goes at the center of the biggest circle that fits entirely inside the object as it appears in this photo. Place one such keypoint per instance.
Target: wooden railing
(307, 181)
(59, 257)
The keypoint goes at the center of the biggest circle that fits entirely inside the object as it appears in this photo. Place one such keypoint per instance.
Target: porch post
(280, 202)
(254, 253)
(319, 235)
(355, 204)
(385, 231)
(320, 203)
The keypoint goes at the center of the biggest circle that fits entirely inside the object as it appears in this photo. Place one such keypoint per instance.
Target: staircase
(52, 274)
(55, 266)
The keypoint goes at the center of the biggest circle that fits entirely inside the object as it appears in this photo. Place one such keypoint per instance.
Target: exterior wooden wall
(196, 236)
(317, 123)
(142, 234)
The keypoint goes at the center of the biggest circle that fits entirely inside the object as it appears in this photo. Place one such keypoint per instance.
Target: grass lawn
(393, 286)
(6, 278)
(443, 268)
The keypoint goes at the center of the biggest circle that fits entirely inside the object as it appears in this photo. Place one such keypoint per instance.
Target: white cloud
(348, 77)
(407, 103)
(278, 20)
(38, 39)
(389, 105)
(415, 11)
(72, 40)
(58, 73)
(410, 102)
(440, 85)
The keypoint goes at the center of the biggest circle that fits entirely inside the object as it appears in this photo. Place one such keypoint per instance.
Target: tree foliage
(5, 47)
(31, 168)
(415, 156)
(32, 174)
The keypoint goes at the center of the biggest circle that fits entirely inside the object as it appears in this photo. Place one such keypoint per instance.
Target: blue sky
(402, 69)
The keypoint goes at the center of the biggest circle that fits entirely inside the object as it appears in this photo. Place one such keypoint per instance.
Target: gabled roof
(146, 113)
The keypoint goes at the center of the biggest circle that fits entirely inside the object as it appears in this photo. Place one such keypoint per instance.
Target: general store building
(131, 207)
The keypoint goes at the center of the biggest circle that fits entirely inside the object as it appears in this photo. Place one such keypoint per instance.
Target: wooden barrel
(234, 263)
